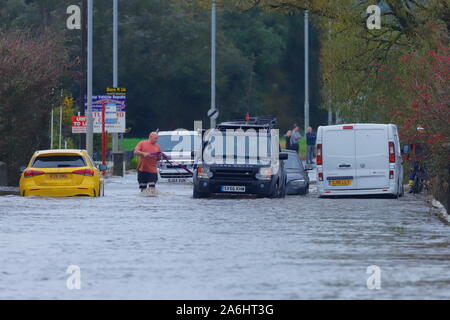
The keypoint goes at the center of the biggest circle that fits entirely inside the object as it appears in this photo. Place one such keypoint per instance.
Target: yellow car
(61, 173)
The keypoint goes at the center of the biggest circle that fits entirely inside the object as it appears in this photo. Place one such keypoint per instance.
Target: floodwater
(175, 247)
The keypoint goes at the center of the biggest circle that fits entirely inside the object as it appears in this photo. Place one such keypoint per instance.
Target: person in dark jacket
(310, 145)
(287, 137)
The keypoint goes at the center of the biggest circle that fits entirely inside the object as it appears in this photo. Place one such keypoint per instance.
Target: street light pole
(115, 136)
(83, 66)
(60, 125)
(306, 70)
(60, 120)
(51, 129)
(330, 115)
(89, 118)
(213, 61)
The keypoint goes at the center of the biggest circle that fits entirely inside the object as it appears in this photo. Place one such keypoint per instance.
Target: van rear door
(372, 157)
(339, 161)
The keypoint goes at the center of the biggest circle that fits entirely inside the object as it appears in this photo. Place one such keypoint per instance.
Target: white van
(359, 159)
(178, 145)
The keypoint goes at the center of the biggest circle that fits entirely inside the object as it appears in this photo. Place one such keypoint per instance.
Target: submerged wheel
(275, 193)
(402, 189)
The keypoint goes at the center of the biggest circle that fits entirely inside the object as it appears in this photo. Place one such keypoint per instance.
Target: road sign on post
(104, 135)
(115, 91)
(213, 113)
(78, 124)
(115, 123)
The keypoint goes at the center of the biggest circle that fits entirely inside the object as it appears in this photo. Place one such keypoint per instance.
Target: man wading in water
(149, 152)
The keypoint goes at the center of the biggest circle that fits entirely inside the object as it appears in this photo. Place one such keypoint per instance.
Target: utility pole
(83, 63)
(306, 69)
(330, 115)
(89, 118)
(51, 129)
(213, 61)
(115, 136)
(60, 120)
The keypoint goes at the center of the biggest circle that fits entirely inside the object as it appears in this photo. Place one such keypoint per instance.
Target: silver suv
(179, 146)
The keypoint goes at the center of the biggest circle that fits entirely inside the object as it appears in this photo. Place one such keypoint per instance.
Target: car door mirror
(283, 156)
(22, 169)
(308, 167)
(102, 167)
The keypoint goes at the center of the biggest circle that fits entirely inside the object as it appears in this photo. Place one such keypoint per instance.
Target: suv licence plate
(177, 180)
(232, 188)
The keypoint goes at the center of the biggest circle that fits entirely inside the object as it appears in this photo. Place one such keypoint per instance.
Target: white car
(179, 146)
(359, 159)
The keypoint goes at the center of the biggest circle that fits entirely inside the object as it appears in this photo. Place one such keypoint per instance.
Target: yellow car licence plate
(340, 182)
(58, 176)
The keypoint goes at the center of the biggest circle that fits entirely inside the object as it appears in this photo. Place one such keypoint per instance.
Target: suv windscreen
(240, 146)
(60, 161)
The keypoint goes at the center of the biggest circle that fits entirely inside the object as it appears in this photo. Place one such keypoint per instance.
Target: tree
(31, 67)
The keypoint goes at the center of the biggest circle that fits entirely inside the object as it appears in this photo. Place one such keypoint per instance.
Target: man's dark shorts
(147, 178)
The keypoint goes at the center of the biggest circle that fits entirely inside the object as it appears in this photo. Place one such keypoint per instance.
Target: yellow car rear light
(84, 172)
(32, 173)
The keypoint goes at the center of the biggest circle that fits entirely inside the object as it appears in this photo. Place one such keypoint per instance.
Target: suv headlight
(264, 173)
(204, 173)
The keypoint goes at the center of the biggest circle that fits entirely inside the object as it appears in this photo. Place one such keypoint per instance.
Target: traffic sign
(213, 113)
(78, 124)
(115, 121)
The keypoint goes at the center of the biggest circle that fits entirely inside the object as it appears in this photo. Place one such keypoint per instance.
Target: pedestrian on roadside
(310, 145)
(287, 137)
(295, 138)
(150, 153)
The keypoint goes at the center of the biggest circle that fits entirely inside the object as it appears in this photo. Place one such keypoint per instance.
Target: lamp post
(115, 136)
(89, 118)
(306, 114)
(213, 61)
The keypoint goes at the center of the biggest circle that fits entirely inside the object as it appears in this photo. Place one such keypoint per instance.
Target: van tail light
(391, 174)
(320, 176)
(319, 154)
(391, 152)
(32, 173)
(84, 172)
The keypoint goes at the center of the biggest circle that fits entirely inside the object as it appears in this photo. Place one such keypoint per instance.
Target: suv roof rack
(252, 122)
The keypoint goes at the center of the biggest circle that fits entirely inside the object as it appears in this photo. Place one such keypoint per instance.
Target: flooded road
(176, 247)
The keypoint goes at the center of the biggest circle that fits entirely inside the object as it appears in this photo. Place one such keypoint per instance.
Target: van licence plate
(232, 188)
(340, 182)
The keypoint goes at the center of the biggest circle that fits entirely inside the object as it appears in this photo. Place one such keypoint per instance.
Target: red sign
(78, 124)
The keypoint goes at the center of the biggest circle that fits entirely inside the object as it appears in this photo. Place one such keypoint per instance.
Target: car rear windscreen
(292, 162)
(60, 161)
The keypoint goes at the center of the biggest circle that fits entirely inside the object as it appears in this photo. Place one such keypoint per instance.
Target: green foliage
(130, 143)
(134, 162)
(30, 72)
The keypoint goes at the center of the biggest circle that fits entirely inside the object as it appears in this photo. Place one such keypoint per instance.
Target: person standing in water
(149, 153)
(310, 145)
